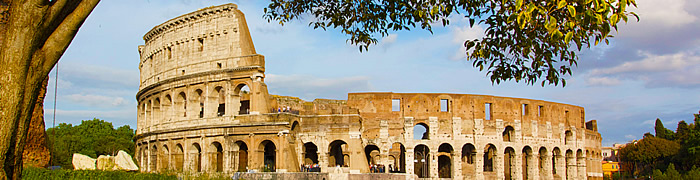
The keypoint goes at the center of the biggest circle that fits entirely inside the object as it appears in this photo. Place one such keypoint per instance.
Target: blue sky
(650, 70)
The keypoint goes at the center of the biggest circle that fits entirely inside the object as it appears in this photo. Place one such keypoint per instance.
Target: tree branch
(63, 35)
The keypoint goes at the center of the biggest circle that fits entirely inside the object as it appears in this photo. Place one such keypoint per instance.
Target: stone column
(517, 166)
(498, 167)
(546, 171)
(409, 161)
(532, 168)
(233, 161)
(457, 165)
(561, 166)
(479, 164)
(581, 167)
(433, 164)
(571, 168)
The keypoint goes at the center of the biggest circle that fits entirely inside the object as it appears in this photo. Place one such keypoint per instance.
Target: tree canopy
(680, 148)
(525, 40)
(92, 137)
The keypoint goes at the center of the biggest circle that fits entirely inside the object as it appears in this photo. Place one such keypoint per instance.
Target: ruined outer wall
(538, 125)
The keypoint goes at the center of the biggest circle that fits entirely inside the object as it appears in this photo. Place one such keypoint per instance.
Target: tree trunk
(34, 35)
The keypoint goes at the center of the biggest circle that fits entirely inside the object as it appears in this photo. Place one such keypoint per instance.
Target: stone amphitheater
(203, 106)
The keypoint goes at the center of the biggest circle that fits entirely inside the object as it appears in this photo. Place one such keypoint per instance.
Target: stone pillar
(498, 167)
(433, 123)
(561, 166)
(581, 167)
(434, 172)
(457, 165)
(409, 161)
(546, 171)
(517, 166)
(408, 128)
(533, 166)
(322, 160)
(571, 168)
(233, 161)
(479, 164)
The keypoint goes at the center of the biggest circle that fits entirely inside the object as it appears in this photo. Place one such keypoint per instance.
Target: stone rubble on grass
(106, 163)
(123, 161)
(83, 162)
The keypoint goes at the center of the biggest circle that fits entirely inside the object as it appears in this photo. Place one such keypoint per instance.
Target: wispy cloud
(680, 69)
(309, 87)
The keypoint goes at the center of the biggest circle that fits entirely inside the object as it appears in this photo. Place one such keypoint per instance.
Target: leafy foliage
(524, 40)
(39, 173)
(679, 150)
(92, 137)
(661, 131)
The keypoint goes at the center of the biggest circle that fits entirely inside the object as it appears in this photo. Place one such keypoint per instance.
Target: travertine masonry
(204, 106)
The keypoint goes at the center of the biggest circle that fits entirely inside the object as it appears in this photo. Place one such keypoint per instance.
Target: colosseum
(203, 106)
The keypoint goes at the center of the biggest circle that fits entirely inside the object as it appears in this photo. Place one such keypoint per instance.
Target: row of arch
(421, 132)
(154, 110)
(159, 158)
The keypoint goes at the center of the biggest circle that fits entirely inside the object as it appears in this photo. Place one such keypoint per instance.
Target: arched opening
(181, 103)
(310, 156)
(156, 111)
(144, 158)
(195, 154)
(338, 153)
(445, 161)
(200, 100)
(179, 157)
(242, 156)
(489, 157)
(269, 155)
(294, 131)
(569, 137)
(421, 131)
(580, 160)
(153, 164)
(164, 158)
(372, 154)
(556, 154)
(543, 160)
(217, 157)
(398, 151)
(167, 107)
(569, 163)
(508, 163)
(421, 162)
(527, 158)
(242, 94)
(468, 159)
(221, 101)
(508, 134)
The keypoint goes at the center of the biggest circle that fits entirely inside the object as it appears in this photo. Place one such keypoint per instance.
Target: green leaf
(572, 10)
(614, 19)
(561, 4)
(518, 4)
(568, 37)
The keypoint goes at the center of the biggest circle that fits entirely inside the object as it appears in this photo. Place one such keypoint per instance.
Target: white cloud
(310, 87)
(389, 40)
(602, 81)
(461, 34)
(653, 63)
(679, 69)
(96, 100)
(629, 136)
(664, 12)
(658, 16)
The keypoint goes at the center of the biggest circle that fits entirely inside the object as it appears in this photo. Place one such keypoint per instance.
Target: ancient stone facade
(203, 106)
